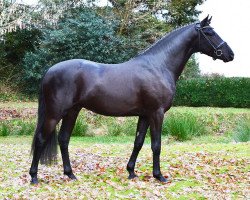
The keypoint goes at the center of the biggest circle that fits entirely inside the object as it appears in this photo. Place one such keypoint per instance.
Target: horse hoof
(72, 176)
(132, 176)
(161, 178)
(34, 181)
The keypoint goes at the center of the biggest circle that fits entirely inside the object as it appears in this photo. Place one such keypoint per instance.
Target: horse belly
(113, 102)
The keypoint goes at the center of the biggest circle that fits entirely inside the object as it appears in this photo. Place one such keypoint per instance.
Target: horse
(143, 86)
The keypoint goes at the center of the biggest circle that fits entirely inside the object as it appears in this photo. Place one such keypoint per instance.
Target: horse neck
(173, 51)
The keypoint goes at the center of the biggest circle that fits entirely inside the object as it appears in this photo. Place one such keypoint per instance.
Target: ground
(211, 166)
(195, 171)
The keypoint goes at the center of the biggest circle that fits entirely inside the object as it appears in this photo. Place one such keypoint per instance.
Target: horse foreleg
(156, 121)
(141, 131)
(68, 123)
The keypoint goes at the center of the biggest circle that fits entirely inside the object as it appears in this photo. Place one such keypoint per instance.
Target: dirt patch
(8, 113)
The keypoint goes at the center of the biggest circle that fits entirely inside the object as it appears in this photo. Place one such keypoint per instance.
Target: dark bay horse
(143, 86)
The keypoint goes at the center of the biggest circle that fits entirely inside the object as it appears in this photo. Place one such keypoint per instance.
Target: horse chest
(158, 94)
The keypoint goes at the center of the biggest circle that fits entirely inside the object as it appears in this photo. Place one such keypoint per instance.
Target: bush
(80, 128)
(81, 33)
(17, 127)
(213, 92)
(242, 131)
(182, 126)
(4, 130)
(125, 126)
(13, 47)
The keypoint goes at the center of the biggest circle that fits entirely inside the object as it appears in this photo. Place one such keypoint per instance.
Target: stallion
(143, 86)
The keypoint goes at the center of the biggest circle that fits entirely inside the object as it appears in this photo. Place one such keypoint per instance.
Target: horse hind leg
(44, 146)
(67, 126)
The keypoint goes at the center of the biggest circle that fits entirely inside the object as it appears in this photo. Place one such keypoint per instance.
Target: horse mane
(165, 37)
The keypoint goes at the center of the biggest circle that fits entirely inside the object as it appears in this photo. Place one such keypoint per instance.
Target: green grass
(81, 127)
(180, 185)
(242, 131)
(18, 105)
(197, 170)
(10, 92)
(183, 126)
(180, 123)
(17, 127)
(209, 164)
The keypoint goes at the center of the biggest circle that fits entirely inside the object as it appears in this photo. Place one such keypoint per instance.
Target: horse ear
(209, 21)
(205, 21)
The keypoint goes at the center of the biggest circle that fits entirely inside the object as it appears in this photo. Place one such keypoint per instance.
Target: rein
(217, 51)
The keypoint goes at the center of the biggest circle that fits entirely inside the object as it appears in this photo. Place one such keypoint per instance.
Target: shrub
(80, 128)
(125, 126)
(13, 47)
(213, 92)
(81, 33)
(4, 130)
(182, 126)
(24, 128)
(17, 127)
(242, 131)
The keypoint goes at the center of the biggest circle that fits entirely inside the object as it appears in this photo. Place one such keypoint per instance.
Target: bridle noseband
(217, 49)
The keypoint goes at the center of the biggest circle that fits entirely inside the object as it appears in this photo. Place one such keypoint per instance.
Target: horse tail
(48, 144)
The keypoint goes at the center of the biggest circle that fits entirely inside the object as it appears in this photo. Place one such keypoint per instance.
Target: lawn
(208, 166)
(20, 119)
(197, 170)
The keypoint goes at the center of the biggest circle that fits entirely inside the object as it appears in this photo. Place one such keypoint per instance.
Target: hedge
(213, 92)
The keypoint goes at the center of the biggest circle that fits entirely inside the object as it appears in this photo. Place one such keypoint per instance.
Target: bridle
(217, 49)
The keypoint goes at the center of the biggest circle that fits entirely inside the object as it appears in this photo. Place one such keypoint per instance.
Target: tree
(149, 19)
(13, 16)
(180, 12)
(13, 48)
(81, 33)
(81, 29)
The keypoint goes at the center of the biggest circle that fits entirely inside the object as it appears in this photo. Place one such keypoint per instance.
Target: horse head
(210, 43)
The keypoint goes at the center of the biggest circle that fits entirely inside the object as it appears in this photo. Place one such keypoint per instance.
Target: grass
(80, 128)
(10, 92)
(180, 126)
(18, 105)
(183, 126)
(198, 170)
(180, 123)
(242, 131)
(17, 127)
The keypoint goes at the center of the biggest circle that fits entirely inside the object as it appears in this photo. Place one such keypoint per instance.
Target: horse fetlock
(33, 173)
(130, 167)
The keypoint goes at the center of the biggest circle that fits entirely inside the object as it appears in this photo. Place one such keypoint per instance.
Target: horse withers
(143, 86)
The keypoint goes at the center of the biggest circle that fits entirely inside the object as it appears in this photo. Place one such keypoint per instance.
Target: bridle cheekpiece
(217, 48)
